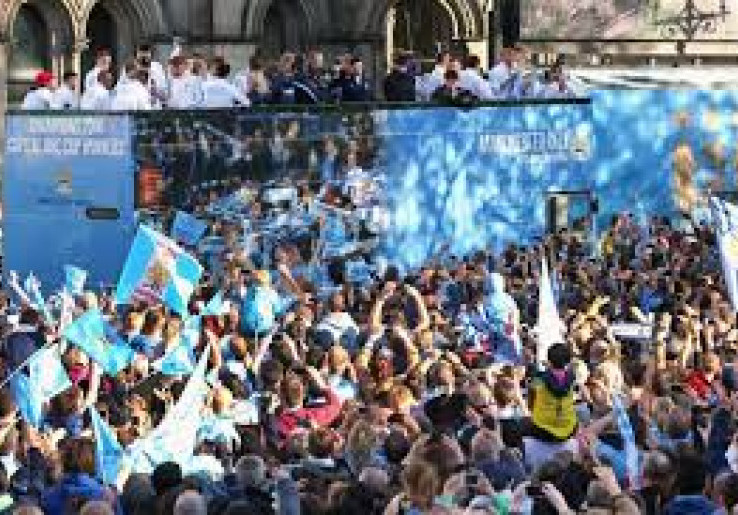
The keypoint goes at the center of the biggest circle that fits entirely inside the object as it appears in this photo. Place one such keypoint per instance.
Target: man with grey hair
(254, 490)
(190, 503)
(251, 472)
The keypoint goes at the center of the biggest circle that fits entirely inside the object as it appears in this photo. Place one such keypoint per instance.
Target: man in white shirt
(67, 97)
(99, 96)
(103, 61)
(41, 97)
(184, 89)
(338, 322)
(242, 82)
(133, 95)
(157, 76)
(471, 80)
(434, 80)
(505, 78)
(218, 93)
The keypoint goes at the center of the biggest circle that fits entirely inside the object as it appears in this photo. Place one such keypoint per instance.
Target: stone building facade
(61, 35)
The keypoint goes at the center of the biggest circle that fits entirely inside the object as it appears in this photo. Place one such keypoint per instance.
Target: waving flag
(159, 269)
(178, 361)
(725, 219)
(631, 451)
(216, 307)
(191, 331)
(174, 439)
(99, 341)
(108, 452)
(188, 229)
(47, 374)
(549, 327)
(33, 288)
(74, 279)
(28, 399)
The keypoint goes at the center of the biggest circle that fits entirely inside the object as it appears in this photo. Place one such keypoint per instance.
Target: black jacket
(461, 97)
(351, 89)
(399, 86)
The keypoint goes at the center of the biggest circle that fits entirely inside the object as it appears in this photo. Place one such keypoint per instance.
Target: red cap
(44, 79)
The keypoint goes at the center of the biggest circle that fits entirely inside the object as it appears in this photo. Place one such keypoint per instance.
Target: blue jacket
(352, 89)
(72, 493)
(692, 504)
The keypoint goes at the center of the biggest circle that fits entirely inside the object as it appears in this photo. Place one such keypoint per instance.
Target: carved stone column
(80, 45)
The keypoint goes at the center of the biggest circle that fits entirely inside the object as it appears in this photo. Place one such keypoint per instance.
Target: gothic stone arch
(138, 20)
(144, 18)
(255, 14)
(56, 13)
(468, 17)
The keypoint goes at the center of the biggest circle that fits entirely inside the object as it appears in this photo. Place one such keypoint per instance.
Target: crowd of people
(192, 82)
(439, 390)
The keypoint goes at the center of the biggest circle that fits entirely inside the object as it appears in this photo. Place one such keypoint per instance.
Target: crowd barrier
(421, 178)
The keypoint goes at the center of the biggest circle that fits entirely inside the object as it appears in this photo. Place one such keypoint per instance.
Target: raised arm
(375, 318)
(289, 281)
(264, 344)
(424, 318)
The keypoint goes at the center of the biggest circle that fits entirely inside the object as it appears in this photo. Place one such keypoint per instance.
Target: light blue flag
(191, 331)
(188, 229)
(33, 289)
(157, 265)
(108, 452)
(175, 437)
(100, 342)
(632, 465)
(47, 374)
(216, 307)
(725, 220)
(344, 389)
(74, 279)
(177, 362)
(27, 398)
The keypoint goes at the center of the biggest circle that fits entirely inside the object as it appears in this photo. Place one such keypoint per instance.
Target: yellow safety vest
(556, 415)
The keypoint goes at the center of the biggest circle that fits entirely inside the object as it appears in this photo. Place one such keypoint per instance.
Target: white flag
(725, 219)
(175, 437)
(549, 328)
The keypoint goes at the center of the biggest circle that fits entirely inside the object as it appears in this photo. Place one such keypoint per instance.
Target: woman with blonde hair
(420, 485)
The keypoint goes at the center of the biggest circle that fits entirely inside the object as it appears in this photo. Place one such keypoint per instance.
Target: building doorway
(101, 32)
(422, 27)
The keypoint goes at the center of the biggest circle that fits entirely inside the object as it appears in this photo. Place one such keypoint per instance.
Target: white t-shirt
(184, 93)
(97, 98)
(91, 77)
(157, 80)
(131, 96)
(41, 99)
(241, 81)
(66, 98)
(499, 76)
(473, 82)
(220, 94)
